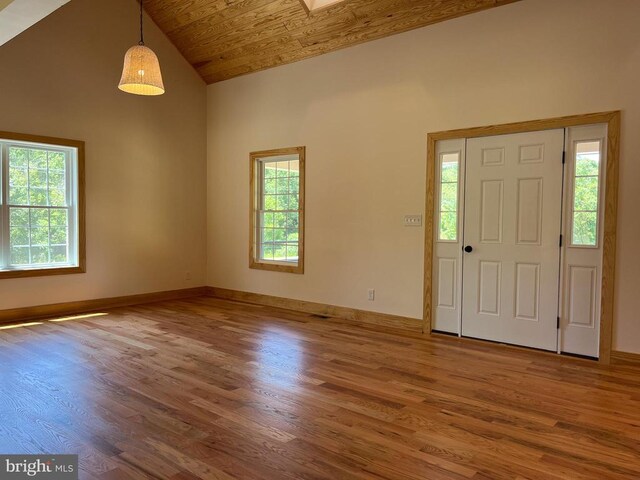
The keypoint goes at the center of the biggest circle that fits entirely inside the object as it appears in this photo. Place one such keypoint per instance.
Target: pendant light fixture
(141, 72)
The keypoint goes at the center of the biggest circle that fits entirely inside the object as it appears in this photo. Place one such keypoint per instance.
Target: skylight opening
(317, 4)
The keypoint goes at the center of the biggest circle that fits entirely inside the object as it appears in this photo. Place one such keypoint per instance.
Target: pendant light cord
(141, 31)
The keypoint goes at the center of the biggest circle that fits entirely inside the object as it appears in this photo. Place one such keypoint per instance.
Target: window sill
(41, 272)
(277, 267)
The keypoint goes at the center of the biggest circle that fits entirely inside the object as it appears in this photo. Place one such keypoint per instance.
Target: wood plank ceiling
(223, 39)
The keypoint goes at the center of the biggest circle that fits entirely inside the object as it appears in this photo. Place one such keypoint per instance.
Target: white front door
(512, 225)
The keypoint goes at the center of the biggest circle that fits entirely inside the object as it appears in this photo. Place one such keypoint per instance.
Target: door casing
(612, 119)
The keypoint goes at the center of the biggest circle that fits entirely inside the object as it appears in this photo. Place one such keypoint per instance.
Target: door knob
(468, 249)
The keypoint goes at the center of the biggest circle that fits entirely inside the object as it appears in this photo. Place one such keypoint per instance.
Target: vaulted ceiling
(223, 39)
(18, 15)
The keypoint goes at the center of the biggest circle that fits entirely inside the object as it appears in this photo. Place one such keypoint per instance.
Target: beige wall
(363, 114)
(145, 157)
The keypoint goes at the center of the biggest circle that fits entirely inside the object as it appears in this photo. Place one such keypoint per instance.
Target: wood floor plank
(204, 388)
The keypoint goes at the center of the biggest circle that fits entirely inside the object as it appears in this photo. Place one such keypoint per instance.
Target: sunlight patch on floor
(78, 317)
(19, 325)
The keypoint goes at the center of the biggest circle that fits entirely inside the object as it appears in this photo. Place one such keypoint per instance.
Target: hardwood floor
(211, 389)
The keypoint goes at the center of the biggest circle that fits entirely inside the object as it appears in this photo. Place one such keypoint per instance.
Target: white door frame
(612, 119)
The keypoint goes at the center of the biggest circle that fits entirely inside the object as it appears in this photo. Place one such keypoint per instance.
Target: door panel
(582, 296)
(527, 291)
(582, 266)
(529, 214)
(447, 241)
(489, 286)
(512, 221)
(491, 211)
(447, 280)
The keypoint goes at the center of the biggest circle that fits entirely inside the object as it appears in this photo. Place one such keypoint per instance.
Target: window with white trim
(586, 194)
(39, 207)
(277, 179)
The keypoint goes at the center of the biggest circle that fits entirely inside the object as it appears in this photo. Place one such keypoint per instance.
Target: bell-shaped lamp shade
(141, 72)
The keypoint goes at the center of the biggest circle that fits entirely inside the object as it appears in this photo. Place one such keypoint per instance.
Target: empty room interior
(319, 239)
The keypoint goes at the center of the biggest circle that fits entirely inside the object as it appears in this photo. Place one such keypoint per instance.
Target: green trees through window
(280, 211)
(449, 174)
(38, 204)
(586, 189)
(277, 210)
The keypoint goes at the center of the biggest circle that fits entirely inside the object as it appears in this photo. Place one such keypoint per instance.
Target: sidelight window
(586, 194)
(448, 198)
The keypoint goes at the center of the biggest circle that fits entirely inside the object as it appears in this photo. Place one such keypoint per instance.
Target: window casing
(41, 206)
(277, 210)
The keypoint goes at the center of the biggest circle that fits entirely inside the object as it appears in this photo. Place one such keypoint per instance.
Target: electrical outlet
(413, 220)
(371, 294)
(187, 276)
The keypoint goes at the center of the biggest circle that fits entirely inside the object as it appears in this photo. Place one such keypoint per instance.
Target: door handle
(468, 249)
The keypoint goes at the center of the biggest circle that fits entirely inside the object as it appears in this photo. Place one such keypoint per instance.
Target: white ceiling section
(18, 15)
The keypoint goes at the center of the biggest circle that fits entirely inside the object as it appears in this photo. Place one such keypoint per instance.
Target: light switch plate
(413, 220)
